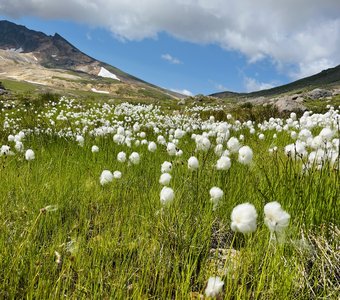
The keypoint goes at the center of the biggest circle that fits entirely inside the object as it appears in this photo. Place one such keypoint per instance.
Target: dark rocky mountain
(55, 52)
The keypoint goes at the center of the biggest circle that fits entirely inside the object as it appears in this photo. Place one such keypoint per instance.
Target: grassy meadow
(64, 233)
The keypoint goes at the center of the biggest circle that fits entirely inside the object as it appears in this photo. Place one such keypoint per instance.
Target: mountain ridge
(325, 78)
(54, 52)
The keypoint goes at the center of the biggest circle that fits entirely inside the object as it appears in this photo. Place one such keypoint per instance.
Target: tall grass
(118, 242)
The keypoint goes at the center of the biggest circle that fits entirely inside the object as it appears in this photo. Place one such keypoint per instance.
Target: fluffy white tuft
(167, 195)
(106, 177)
(29, 154)
(134, 158)
(165, 179)
(166, 167)
(275, 217)
(243, 218)
(193, 163)
(245, 155)
(214, 286)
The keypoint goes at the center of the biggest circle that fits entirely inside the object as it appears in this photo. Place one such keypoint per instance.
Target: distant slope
(326, 78)
(33, 50)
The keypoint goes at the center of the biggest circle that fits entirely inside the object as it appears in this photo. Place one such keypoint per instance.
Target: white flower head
(166, 167)
(218, 150)
(326, 134)
(11, 138)
(233, 144)
(94, 149)
(179, 152)
(165, 179)
(193, 163)
(275, 217)
(134, 158)
(106, 177)
(80, 140)
(167, 195)
(121, 156)
(29, 154)
(243, 218)
(5, 150)
(223, 163)
(19, 146)
(214, 286)
(171, 149)
(117, 174)
(245, 155)
(152, 147)
(215, 195)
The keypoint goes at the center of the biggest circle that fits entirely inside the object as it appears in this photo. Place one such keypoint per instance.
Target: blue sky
(194, 46)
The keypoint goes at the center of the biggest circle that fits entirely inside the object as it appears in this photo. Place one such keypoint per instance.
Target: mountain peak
(56, 53)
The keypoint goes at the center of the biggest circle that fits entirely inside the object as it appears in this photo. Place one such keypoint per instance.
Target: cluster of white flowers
(244, 218)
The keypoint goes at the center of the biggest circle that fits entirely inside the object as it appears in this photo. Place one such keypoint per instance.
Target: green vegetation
(18, 86)
(64, 235)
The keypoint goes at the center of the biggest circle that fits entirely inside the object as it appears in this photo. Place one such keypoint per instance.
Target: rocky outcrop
(319, 94)
(290, 103)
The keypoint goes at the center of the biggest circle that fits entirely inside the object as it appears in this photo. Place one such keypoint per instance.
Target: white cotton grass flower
(167, 195)
(164, 179)
(106, 177)
(326, 134)
(134, 158)
(121, 157)
(193, 163)
(304, 134)
(179, 153)
(166, 167)
(152, 147)
(117, 174)
(95, 149)
(245, 155)
(275, 218)
(223, 163)
(214, 286)
(218, 150)
(5, 150)
(11, 138)
(243, 218)
(19, 146)
(202, 143)
(261, 136)
(233, 144)
(171, 149)
(80, 140)
(296, 150)
(215, 195)
(29, 154)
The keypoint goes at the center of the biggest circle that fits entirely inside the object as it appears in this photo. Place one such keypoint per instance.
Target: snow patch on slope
(107, 74)
(100, 92)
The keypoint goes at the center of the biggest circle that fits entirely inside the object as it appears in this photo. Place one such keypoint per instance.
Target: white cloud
(252, 85)
(183, 92)
(171, 59)
(292, 33)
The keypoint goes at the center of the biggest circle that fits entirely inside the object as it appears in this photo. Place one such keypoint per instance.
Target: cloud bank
(300, 37)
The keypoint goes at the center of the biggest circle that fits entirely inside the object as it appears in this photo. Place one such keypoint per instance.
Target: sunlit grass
(118, 241)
